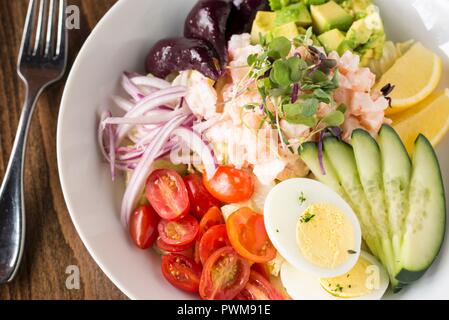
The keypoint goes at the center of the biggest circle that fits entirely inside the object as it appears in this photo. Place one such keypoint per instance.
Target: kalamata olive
(243, 14)
(207, 21)
(178, 54)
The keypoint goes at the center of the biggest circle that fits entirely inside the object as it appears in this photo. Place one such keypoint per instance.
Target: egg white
(282, 210)
(305, 286)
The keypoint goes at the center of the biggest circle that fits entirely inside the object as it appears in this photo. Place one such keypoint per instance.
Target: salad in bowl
(282, 150)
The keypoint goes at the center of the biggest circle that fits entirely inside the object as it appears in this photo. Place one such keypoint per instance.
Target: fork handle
(12, 210)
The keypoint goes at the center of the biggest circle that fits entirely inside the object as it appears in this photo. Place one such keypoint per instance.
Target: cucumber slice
(309, 154)
(396, 166)
(368, 160)
(426, 219)
(341, 157)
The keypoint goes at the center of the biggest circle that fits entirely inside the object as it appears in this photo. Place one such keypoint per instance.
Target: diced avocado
(298, 13)
(330, 16)
(359, 32)
(279, 4)
(344, 46)
(426, 219)
(264, 24)
(357, 8)
(331, 40)
(314, 2)
(377, 44)
(288, 30)
(366, 57)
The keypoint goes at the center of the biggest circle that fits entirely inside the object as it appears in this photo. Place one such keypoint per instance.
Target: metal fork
(42, 61)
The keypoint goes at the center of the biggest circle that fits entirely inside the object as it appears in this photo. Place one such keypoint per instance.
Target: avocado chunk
(367, 37)
(330, 16)
(298, 13)
(264, 24)
(314, 2)
(288, 30)
(331, 40)
(359, 32)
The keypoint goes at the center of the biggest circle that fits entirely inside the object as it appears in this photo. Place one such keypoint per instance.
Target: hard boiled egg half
(367, 280)
(312, 227)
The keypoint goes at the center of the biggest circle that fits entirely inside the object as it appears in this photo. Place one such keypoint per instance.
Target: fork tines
(45, 29)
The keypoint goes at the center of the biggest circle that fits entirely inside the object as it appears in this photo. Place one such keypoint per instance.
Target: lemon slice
(415, 75)
(430, 117)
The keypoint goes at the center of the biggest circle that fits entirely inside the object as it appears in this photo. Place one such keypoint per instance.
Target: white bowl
(120, 42)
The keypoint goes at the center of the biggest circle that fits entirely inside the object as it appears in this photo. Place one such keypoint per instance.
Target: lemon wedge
(430, 117)
(415, 75)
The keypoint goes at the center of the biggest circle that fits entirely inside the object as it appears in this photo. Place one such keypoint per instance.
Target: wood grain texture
(52, 243)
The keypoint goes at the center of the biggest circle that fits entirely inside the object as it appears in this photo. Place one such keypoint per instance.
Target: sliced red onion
(197, 145)
(136, 183)
(295, 91)
(131, 88)
(100, 135)
(147, 138)
(153, 117)
(204, 125)
(320, 153)
(111, 134)
(122, 103)
(150, 102)
(151, 82)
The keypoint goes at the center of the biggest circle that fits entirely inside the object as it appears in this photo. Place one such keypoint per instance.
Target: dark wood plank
(52, 243)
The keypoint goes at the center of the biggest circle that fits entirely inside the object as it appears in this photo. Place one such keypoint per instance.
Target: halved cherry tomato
(230, 184)
(262, 269)
(224, 275)
(258, 288)
(181, 271)
(200, 199)
(165, 247)
(143, 226)
(212, 217)
(212, 240)
(246, 231)
(196, 252)
(178, 233)
(167, 193)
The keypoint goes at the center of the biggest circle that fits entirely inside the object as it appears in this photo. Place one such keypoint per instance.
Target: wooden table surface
(52, 243)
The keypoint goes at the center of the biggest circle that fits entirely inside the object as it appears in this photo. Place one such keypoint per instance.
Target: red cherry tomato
(212, 240)
(143, 226)
(212, 217)
(178, 233)
(167, 194)
(224, 275)
(181, 271)
(262, 269)
(230, 184)
(200, 199)
(165, 247)
(258, 288)
(246, 231)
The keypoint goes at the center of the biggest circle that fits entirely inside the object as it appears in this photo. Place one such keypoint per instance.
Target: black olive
(243, 14)
(207, 21)
(178, 54)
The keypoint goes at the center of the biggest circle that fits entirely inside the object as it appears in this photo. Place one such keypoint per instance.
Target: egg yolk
(325, 235)
(361, 280)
